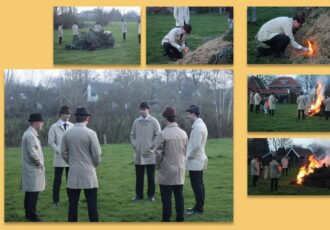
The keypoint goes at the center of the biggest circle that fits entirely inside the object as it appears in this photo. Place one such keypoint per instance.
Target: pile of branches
(92, 40)
(320, 177)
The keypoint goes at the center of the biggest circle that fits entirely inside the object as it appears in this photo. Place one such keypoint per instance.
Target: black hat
(169, 112)
(35, 117)
(82, 111)
(64, 110)
(144, 105)
(193, 109)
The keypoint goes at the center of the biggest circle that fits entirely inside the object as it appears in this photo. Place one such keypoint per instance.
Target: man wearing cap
(277, 34)
(55, 135)
(174, 43)
(80, 148)
(170, 150)
(33, 170)
(144, 131)
(196, 159)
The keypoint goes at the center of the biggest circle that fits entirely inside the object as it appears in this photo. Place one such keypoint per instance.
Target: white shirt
(123, 27)
(75, 29)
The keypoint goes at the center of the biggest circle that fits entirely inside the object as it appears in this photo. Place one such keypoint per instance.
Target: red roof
(285, 82)
(275, 91)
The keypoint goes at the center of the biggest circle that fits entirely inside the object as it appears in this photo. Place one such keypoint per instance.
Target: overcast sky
(122, 9)
(304, 142)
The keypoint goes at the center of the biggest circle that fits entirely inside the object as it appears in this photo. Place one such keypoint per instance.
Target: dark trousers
(273, 184)
(301, 112)
(171, 51)
(124, 36)
(166, 196)
(60, 40)
(254, 180)
(139, 37)
(285, 171)
(197, 185)
(139, 173)
(251, 107)
(271, 112)
(277, 45)
(30, 205)
(91, 198)
(58, 171)
(257, 108)
(327, 115)
(75, 38)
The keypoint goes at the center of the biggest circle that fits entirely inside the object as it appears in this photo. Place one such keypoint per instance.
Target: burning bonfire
(316, 106)
(312, 48)
(314, 165)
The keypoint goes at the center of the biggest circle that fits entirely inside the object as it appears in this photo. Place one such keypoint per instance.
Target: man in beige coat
(257, 101)
(144, 131)
(327, 107)
(255, 170)
(170, 149)
(80, 148)
(301, 102)
(272, 101)
(251, 100)
(33, 169)
(55, 135)
(196, 159)
(274, 174)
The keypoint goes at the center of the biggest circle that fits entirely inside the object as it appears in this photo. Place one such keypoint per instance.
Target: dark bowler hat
(193, 109)
(82, 111)
(144, 105)
(169, 112)
(64, 110)
(35, 117)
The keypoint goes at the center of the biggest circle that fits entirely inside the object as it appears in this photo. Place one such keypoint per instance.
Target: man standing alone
(123, 27)
(257, 101)
(33, 169)
(301, 101)
(55, 135)
(144, 131)
(251, 100)
(75, 32)
(196, 159)
(80, 148)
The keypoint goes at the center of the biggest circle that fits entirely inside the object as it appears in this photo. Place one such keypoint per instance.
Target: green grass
(122, 53)
(204, 28)
(117, 186)
(284, 186)
(264, 14)
(285, 120)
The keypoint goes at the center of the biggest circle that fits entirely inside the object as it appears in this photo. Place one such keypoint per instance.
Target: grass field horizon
(285, 120)
(123, 52)
(117, 186)
(204, 28)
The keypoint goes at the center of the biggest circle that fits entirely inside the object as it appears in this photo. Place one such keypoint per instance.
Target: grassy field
(117, 186)
(264, 14)
(204, 27)
(284, 186)
(122, 53)
(285, 120)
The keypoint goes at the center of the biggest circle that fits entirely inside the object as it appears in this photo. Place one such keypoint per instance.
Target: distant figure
(266, 172)
(277, 34)
(98, 27)
(123, 28)
(255, 170)
(257, 101)
(301, 101)
(230, 19)
(75, 32)
(272, 101)
(285, 164)
(266, 106)
(181, 16)
(327, 107)
(55, 135)
(251, 100)
(252, 15)
(33, 178)
(174, 42)
(274, 168)
(60, 34)
(139, 31)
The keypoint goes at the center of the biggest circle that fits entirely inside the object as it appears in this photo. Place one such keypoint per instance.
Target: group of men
(174, 43)
(97, 28)
(273, 170)
(269, 103)
(77, 151)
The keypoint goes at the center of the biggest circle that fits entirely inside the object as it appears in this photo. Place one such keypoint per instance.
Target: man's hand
(147, 153)
(186, 49)
(305, 49)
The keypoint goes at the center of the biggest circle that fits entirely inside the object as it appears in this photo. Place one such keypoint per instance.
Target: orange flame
(310, 48)
(310, 167)
(315, 107)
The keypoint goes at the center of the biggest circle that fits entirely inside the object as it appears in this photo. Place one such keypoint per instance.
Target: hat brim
(35, 120)
(83, 114)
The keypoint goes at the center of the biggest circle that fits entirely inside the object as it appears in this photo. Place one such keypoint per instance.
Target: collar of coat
(173, 124)
(34, 131)
(81, 124)
(198, 120)
(142, 118)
